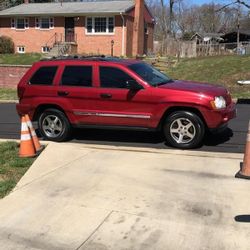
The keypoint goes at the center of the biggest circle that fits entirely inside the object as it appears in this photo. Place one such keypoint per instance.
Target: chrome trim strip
(112, 115)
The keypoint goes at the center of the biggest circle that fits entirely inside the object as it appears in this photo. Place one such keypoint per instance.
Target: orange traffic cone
(26, 144)
(36, 142)
(244, 172)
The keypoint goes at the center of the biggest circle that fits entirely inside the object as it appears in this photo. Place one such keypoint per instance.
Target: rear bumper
(23, 109)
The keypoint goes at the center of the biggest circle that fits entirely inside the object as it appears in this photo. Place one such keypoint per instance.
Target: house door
(69, 29)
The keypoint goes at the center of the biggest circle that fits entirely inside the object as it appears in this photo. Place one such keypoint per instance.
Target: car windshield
(150, 74)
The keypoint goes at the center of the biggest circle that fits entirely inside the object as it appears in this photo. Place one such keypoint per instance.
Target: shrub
(6, 45)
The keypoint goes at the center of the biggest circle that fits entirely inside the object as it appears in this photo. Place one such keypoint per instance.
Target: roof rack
(77, 57)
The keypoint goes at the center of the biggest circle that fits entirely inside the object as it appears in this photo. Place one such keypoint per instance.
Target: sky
(198, 2)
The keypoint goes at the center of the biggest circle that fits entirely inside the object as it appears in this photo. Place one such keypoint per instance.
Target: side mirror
(133, 85)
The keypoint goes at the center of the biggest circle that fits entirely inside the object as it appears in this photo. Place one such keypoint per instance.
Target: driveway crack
(48, 173)
(95, 230)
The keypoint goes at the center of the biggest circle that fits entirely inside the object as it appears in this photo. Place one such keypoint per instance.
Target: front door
(118, 105)
(69, 29)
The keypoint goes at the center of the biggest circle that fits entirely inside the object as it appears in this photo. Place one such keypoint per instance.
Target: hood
(196, 87)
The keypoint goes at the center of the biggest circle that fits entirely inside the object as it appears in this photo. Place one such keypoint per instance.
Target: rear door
(77, 90)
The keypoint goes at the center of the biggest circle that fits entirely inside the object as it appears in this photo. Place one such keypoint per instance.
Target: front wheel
(54, 125)
(184, 130)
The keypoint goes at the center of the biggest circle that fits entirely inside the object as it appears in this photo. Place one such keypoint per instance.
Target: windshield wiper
(162, 83)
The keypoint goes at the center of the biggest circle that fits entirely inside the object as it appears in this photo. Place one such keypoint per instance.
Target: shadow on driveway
(220, 138)
(141, 137)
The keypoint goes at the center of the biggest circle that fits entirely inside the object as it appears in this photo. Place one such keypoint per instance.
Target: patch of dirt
(1, 177)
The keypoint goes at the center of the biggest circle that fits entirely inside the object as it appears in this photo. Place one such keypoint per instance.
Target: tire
(184, 130)
(54, 125)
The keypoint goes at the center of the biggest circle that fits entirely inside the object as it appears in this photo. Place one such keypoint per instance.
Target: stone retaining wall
(11, 74)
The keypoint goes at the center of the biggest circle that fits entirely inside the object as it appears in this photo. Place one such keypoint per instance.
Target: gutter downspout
(123, 33)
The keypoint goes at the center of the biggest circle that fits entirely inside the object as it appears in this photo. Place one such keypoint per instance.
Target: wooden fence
(188, 49)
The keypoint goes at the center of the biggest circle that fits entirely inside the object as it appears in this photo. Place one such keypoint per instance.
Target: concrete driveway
(93, 197)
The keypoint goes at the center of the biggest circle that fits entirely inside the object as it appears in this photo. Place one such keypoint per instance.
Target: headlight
(219, 102)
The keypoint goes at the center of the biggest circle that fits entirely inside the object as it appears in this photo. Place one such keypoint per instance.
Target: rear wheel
(54, 125)
(184, 130)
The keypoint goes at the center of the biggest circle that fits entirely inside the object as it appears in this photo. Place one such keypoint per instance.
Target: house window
(45, 49)
(100, 25)
(111, 25)
(89, 25)
(21, 49)
(146, 28)
(45, 23)
(37, 23)
(13, 24)
(20, 23)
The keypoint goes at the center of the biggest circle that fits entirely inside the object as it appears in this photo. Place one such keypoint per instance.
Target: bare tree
(204, 19)
(186, 18)
(159, 11)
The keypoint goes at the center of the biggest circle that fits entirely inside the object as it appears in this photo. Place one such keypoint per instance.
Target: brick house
(118, 27)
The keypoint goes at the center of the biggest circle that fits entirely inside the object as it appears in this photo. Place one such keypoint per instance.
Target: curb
(8, 101)
(178, 152)
(18, 141)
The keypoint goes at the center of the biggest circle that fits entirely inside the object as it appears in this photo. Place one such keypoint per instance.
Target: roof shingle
(69, 8)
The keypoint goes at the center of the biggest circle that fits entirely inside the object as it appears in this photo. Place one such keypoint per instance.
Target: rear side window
(113, 78)
(77, 76)
(44, 76)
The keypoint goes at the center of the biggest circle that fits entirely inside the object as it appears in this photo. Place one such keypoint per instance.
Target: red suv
(116, 93)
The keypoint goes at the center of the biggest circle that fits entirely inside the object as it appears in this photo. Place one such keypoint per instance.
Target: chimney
(138, 36)
(26, 1)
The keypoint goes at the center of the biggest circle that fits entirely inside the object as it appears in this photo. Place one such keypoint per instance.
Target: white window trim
(20, 51)
(13, 23)
(93, 33)
(38, 23)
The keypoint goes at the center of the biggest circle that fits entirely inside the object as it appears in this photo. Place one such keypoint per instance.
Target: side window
(113, 78)
(77, 76)
(44, 76)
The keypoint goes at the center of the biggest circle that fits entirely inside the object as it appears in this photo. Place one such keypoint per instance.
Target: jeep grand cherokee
(118, 93)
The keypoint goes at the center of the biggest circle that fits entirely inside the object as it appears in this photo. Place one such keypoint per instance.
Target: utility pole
(171, 16)
(239, 3)
(238, 27)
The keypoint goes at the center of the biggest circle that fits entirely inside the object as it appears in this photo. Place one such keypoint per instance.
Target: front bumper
(220, 129)
(218, 118)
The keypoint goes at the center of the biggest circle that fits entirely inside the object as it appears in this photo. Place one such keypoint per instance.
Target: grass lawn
(19, 59)
(8, 94)
(12, 168)
(223, 70)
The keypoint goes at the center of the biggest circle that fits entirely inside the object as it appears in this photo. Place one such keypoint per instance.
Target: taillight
(20, 92)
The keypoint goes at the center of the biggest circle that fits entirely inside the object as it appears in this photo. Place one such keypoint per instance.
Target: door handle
(63, 93)
(105, 95)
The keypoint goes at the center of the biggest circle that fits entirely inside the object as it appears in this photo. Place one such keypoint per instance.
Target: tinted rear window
(77, 76)
(44, 76)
